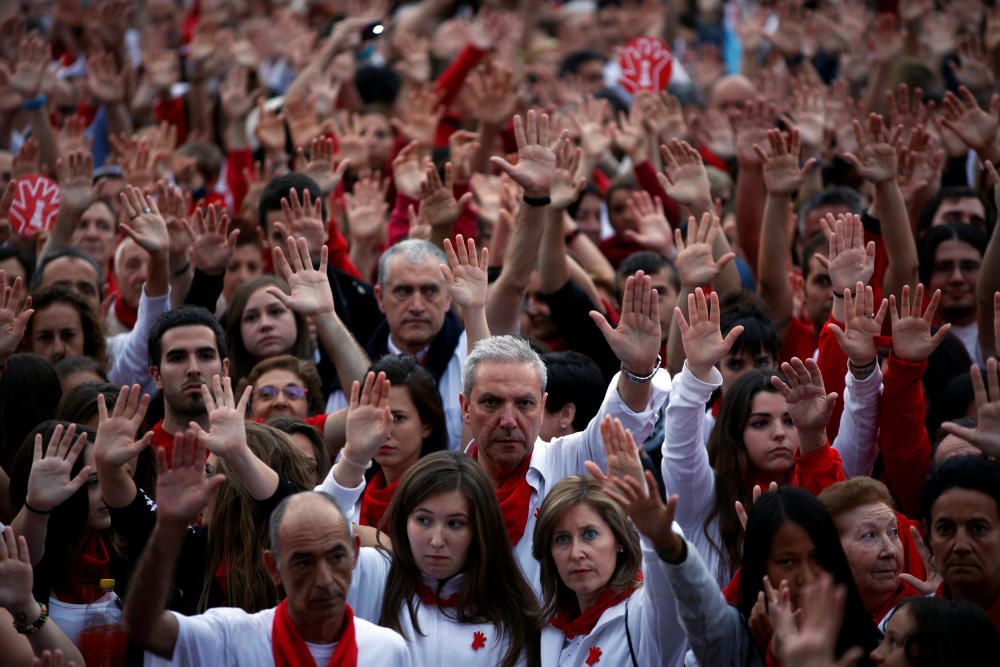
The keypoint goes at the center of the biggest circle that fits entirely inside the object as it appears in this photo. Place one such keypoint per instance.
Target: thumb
(725, 259)
(839, 334)
(502, 164)
(602, 323)
(595, 470)
(80, 479)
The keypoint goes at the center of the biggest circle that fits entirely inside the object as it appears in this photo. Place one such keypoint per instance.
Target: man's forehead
(494, 377)
(405, 272)
(311, 525)
(191, 336)
(75, 266)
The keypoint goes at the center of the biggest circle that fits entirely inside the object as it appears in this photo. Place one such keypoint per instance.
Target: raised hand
(751, 128)
(684, 177)
(237, 101)
(694, 260)
(183, 489)
(877, 160)
(303, 123)
(911, 332)
(414, 62)
(741, 510)
(465, 274)
(49, 483)
(850, 261)
(782, 174)
(366, 207)
(566, 185)
(420, 115)
(16, 575)
(636, 340)
(368, 419)
(620, 450)
(145, 225)
(651, 516)
(75, 172)
(462, 147)
(536, 162)
(351, 144)
(407, 173)
(986, 434)
(588, 122)
(654, 230)
(311, 291)
(15, 311)
(493, 93)
(303, 219)
(810, 638)
(321, 167)
(629, 134)
(270, 130)
(933, 582)
(437, 198)
(809, 405)
(174, 204)
(862, 325)
(213, 242)
(976, 126)
(808, 114)
(663, 116)
(26, 160)
(227, 432)
(704, 346)
(115, 444)
(105, 82)
(33, 60)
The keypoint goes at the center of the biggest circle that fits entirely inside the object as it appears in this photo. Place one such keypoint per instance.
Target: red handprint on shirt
(478, 640)
(594, 655)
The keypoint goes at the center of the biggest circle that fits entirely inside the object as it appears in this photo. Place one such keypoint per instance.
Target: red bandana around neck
(84, 572)
(429, 597)
(125, 314)
(376, 499)
(514, 494)
(290, 650)
(585, 622)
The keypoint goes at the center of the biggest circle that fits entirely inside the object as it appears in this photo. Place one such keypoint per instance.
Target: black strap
(628, 636)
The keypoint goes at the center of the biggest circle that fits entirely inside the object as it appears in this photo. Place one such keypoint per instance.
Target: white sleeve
(685, 466)
(201, 640)
(657, 609)
(131, 364)
(348, 499)
(857, 438)
(565, 455)
(368, 584)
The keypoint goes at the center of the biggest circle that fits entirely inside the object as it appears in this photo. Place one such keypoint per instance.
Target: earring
(563, 424)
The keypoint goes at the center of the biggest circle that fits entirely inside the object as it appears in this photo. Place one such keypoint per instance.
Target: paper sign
(645, 64)
(36, 202)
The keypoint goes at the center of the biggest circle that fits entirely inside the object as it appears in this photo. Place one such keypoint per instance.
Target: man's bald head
(309, 506)
(731, 93)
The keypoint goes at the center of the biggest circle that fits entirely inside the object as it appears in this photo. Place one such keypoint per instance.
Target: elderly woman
(879, 542)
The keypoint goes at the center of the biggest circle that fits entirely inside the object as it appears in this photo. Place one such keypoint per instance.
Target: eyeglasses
(291, 391)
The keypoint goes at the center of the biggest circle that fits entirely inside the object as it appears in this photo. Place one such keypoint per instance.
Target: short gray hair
(501, 350)
(414, 251)
(278, 515)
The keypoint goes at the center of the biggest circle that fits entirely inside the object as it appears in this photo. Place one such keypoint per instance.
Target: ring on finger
(147, 210)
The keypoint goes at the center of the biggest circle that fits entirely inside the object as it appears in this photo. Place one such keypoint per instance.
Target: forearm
(119, 120)
(590, 257)
(582, 280)
(235, 135)
(988, 284)
(772, 261)
(503, 304)
(728, 281)
(750, 199)
(47, 638)
(675, 341)
(634, 394)
(147, 622)
(61, 234)
(476, 327)
(364, 256)
(258, 477)
(348, 357)
(811, 440)
(117, 486)
(900, 246)
(200, 107)
(488, 133)
(159, 274)
(335, 432)
(33, 528)
(552, 271)
(180, 285)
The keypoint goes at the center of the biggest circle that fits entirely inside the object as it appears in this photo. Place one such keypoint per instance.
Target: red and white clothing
(656, 633)
(550, 462)
(442, 640)
(227, 636)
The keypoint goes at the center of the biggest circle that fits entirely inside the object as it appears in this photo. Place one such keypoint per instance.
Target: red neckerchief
(514, 494)
(221, 576)
(429, 597)
(125, 314)
(84, 572)
(290, 650)
(376, 499)
(585, 622)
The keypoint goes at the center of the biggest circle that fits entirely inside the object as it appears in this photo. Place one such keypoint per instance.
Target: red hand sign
(645, 63)
(36, 202)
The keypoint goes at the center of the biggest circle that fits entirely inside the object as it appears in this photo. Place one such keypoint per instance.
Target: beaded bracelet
(25, 628)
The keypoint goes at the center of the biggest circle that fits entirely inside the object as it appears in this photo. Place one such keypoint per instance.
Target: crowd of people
(416, 333)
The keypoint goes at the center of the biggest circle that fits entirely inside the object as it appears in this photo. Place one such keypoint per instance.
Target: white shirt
(129, 351)
(657, 637)
(449, 387)
(228, 636)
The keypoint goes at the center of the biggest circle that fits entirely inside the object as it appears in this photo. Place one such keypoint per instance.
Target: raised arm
(988, 284)
(368, 422)
(467, 282)
(986, 434)
(115, 445)
(437, 201)
(76, 173)
(782, 177)
(15, 311)
(751, 130)
(182, 492)
(566, 187)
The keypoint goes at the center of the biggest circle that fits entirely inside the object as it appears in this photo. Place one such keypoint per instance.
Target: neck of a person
(494, 470)
(408, 347)
(587, 600)
(984, 594)
(396, 472)
(322, 630)
(176, 422)
(874, 600)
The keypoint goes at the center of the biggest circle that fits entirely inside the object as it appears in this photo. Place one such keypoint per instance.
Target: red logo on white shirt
(594, 655)
(478, 640)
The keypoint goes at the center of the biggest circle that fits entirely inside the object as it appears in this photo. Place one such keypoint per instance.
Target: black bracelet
(537, 201)
(33, 510)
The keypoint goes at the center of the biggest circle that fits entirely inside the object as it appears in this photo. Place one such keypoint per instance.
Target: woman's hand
(227, 433)
(368, 419)
(930, 585)
(862, 325)
(704, 345)
(911, 332)
(49, 483)
(643, 504)
(15, 311)
(115, 444)
(986, 434)
(311, 291)
(809, 405)
(465, 274)
(620, 451)
(15, 572)
(183, 489)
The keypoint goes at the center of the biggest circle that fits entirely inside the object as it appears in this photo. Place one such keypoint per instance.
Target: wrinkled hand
(115, 444)
(213, 242)
(636, 340)
(651, 516)
(536, 162)
(145, 225)
(620, 451)
(862, 325)
(182, 489)
(695, 264)
(465, 275)
(369, 418)
(311, 291)
(986, 434)
(15, 311)
(49, 482)
(809, 405)
(704, 345)
(911, 332)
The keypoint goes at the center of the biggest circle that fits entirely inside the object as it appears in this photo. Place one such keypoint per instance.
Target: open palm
(369, 417)
(636, 340)
(465, 274)
(115, 443)
(311, 292)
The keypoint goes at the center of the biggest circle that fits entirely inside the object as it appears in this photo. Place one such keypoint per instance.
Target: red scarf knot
(430, 597)
(514, 494)
(585, 622)
(376, 500)
(289, 649)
